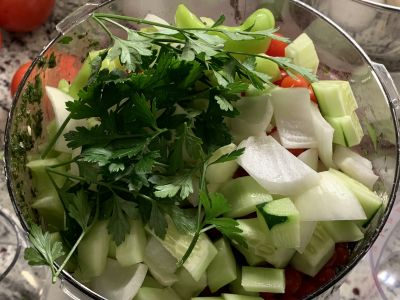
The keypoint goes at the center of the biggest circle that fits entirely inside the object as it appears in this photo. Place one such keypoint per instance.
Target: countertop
(20, 48)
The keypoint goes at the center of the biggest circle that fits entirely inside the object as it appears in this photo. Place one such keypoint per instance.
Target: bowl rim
(333, 283)
(378, 5)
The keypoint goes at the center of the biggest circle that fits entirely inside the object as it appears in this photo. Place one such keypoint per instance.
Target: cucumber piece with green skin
(256, 279)
(222, 269)
(281, 218)
(338, 134)
(147, 293)
(303, 53)
(317, 253)
(268, 67)
(186, 286)
(335, 98)
(260, 246)
(93, 250)
(162, 265)
(243, 194)
(369, 200)
(239, 297)
(221, 172)
(236, 287)
(119, 283)
(131, 251)
(343, 231)
(178, 242)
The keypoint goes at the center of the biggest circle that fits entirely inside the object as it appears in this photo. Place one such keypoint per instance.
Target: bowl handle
(388, 85)
(80, 15)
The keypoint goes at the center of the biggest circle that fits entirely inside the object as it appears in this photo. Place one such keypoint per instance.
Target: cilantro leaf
(157, 221)
(223, 103)
(219, 21)
(79, 209)
(214, 204)
(183, 183)
(100, 156)
(230, 228)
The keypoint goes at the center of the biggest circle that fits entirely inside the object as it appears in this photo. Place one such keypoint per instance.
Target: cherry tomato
(66, 67)
(312, 94)
(293, 279)
(23, 15)
(283, 75)
(342, 255)
(18, 75)
(296, 151)
(289, 82)
(277, 48)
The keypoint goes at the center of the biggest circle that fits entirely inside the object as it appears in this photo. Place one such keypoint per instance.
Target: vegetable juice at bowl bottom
(184, 158)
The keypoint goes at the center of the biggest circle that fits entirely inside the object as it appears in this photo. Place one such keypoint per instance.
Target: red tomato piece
(268, 296)
(23, 15)
(283, 75)
(277, 48)
(326, 274)
(293, 279)
(288, 297)
(17, 78)
(296, 151)
(306, 289)
(332, 261)
(342, 255)
(240, 172)
(312, 94)
(289, 82)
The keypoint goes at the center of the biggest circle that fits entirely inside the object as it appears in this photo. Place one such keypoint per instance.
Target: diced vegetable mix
(151, 199)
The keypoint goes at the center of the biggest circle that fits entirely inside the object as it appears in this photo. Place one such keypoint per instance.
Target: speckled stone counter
(19, 48)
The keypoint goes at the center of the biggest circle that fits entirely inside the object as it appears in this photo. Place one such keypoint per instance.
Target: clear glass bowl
(340, 56)
(375, 26)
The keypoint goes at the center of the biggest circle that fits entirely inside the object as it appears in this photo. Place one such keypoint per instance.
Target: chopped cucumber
(239, 297)
(186, 286)
(281, 218)
(260, 244)
(207, 298)
(317, 253)
(243, 194)
(369, 201)
(343, 231)
(222, 269)
(131, 251)
(93, 251)
(303, 53)
(162, 265)
(236, 286)
(355, 166)
(350, 127)
(329, 201)
(119, 283)
(149, 281)
(147, 293)
(255, 279)
(51, 209)
(221, 172)
(335, 98)
(306, 233)
(178, 242)
(268, 67)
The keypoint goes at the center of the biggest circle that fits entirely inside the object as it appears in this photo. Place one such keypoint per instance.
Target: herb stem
(205, 229)
(78, 178)
(52, 142)
(68, 256)
(103, 26)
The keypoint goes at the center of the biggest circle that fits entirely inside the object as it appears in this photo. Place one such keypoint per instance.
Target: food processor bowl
(373, 24)
(340, 56)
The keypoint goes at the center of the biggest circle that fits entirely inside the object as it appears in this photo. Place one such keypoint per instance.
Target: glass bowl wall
(340, 58)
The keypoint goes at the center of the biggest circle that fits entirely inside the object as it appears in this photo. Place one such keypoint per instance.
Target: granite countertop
(20, 48)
